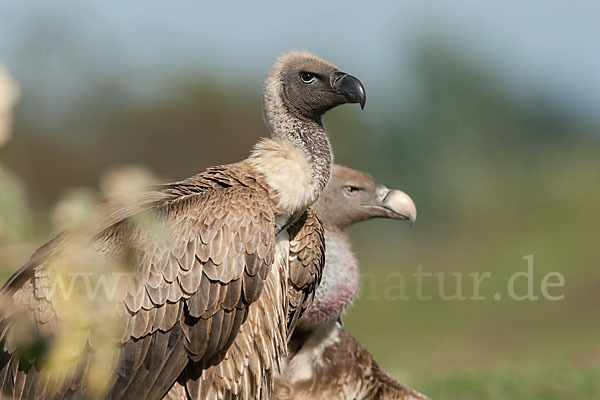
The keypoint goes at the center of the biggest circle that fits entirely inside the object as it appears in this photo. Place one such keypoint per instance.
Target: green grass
(543, 383)
(484, 349)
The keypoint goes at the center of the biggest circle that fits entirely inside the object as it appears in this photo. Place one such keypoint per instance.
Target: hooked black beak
(349, 87)
(395, 204)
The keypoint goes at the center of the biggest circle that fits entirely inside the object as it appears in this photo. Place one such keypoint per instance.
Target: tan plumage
(306, 252)
(264, 337)
(324, 360)
(207, 310)
(333, 365)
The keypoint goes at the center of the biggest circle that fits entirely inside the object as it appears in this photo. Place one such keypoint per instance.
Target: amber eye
(351, 191)
(307, 77)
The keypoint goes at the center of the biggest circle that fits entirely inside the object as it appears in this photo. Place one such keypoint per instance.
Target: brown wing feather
(307, 259)
(252, 359)
(331, 364)
(192, 285)
(263, 336)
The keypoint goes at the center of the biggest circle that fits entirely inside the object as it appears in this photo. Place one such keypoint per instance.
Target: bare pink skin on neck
(340, 281)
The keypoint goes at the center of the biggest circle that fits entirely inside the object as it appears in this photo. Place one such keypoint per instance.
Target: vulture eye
(351, 191)
(307, 77)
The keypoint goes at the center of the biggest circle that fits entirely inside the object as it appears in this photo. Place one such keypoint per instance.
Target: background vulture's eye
(351, 191)
(307, 77)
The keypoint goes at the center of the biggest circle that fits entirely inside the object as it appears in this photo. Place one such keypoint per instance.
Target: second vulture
(325, 361)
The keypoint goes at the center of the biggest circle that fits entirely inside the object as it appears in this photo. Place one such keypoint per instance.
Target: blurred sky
(549, 45)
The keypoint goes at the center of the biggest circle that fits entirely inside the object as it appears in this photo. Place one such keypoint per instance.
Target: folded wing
(194, 279)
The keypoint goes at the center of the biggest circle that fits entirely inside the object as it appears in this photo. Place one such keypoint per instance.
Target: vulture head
(350, 197)
(307, 86)
(353, 196)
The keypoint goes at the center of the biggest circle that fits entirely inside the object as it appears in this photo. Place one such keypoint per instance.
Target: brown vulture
(214, 295)
(324, 360)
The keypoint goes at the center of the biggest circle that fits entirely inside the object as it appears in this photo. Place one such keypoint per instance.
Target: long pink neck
(340, 281)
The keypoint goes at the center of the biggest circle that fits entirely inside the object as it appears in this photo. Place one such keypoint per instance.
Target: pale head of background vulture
(224, 263)
(324, 360)
(351, 197)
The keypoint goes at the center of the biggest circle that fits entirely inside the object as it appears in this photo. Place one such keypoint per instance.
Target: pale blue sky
(552, 45)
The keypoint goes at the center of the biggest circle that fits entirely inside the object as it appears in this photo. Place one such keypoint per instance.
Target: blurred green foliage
(496, 174)
(15, 215)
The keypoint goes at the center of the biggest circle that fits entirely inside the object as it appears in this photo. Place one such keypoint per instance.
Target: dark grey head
(353, 196)
(307, 87)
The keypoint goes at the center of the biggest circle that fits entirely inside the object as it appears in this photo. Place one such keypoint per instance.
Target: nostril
(337, 77)
(382, 192)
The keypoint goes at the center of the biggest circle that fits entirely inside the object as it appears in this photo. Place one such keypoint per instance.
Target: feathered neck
(306, 135)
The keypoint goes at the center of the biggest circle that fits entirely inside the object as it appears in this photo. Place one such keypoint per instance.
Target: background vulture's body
(325, 361)
(332, 364)
(215, 294)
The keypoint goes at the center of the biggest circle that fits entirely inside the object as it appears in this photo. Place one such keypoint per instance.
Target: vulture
(223, 264)
(325, 361)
